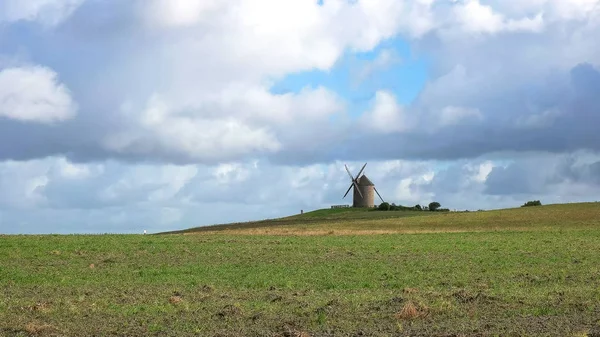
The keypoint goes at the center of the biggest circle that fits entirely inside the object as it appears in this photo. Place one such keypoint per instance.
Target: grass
(521, 272)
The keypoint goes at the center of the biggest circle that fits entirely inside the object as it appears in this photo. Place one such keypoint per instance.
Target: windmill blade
(378, 194)
(361, 170)
(350, 174)
(347, 191)
(358, 189)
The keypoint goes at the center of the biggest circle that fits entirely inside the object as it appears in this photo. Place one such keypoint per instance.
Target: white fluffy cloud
(33, 94)
(386, 115)
(473, 17)
(224, 125)
(161, 130)
(176, 13)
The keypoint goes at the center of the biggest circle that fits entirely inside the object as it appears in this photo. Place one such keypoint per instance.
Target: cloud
(163, 131)
(386, 115)
(485, 112)
(177, 13)
(577, 174)
(47, 12)
(451, 115)
(232, 124)
(33, 94)
(473, 17)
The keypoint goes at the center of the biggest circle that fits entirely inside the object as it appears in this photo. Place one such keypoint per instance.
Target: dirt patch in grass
(464, 296)
(207, 289)
(289, 330)
(229, 311)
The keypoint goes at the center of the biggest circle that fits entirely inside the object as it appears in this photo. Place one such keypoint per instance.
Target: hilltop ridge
(370, 221)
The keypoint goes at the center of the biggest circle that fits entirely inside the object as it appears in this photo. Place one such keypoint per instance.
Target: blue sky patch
(356, 77)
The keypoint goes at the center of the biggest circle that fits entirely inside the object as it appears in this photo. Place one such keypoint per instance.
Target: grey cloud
(545, 175)
(571, 125)
(516, 179)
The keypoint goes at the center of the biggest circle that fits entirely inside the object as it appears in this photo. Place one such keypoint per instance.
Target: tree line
(432, 207)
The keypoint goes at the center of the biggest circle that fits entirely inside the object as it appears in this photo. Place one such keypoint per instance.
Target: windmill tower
(364, 189)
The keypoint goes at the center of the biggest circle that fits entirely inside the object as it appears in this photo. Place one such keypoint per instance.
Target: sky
(122, 116)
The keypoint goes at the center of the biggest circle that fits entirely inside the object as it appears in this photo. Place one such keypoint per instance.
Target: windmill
(363, 189)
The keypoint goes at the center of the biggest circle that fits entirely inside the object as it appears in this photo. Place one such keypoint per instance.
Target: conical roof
(364, 181)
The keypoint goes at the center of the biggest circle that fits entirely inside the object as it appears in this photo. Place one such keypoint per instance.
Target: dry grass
(175, 299)
(346, 232)
(298, 232)
(40, 306)
(36, 329)
(411, 311)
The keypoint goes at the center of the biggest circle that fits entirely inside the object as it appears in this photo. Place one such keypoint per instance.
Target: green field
(519, 272)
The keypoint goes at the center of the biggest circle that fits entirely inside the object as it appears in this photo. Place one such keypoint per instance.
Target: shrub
(433, 206)
(418, 207)
(384, 206)
(532, 203)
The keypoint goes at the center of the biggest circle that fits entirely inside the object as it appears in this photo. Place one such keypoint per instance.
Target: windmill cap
(364, 181)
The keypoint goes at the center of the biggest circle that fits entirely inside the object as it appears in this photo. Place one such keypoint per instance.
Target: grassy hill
(314, 218)
(369, 221)
(517, 272)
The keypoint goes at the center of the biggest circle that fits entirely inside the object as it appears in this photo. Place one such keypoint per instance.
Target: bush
(532, 203)
(433, 206)
(384, 206)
